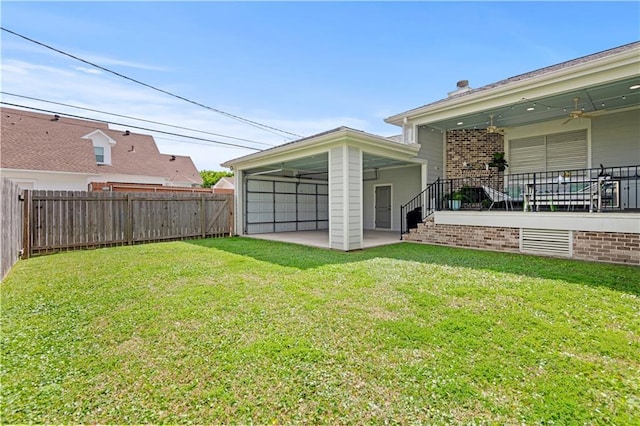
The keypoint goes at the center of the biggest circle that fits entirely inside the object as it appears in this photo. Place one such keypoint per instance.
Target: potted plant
(499, 161)
(455, 199)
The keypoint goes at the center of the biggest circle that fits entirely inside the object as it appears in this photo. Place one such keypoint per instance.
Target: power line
(132, 126)
(135, 118)
(261, 126)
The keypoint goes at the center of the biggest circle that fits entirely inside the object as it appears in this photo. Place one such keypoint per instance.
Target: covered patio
(328, 190)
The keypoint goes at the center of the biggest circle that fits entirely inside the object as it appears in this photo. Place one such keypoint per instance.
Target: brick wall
(474, 147)
(607, 247)
(481, 237)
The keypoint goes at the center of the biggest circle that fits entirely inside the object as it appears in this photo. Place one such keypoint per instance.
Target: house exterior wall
(481, 237)
(472, 147)
(595, 244)
(405, 183)
(615, 139)
(63, 181)
(42, 180)
(615, 247)
(432, 149)
(345, 198)
(99, 139)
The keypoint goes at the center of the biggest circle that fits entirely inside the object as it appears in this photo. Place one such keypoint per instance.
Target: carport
(329, 184)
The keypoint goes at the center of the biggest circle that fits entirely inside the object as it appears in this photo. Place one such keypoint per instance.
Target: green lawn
(247, 331)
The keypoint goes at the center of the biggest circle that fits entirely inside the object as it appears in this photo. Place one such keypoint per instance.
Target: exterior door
(383, 207)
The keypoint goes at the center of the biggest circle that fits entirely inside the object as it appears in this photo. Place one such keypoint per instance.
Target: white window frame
(96, 148)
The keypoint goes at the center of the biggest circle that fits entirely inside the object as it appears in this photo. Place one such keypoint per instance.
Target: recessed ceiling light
(635, 86)
(531, 109)
(460, 123)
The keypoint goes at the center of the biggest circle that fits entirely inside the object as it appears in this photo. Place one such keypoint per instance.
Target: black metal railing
(421, 206)
(601, 189)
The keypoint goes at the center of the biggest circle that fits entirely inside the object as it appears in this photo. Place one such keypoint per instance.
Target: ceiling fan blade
(567, 121)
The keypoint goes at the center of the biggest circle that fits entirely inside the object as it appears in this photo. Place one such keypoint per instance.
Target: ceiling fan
(492, 128)
(576, 113)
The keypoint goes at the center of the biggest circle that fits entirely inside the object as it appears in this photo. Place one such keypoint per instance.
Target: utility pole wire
(129, 125)
(135, 118)
(226, 114)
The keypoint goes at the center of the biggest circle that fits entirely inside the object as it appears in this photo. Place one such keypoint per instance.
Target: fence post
(203, 219)
(129, 220)
(26, 224)
(232, 222)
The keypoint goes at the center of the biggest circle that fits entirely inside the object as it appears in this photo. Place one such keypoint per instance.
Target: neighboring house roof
(225, 182)
(34, 141)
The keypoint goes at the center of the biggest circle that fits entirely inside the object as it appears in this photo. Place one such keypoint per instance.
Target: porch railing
(601, 189)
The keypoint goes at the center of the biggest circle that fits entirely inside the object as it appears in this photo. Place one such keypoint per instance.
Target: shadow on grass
(616, 277)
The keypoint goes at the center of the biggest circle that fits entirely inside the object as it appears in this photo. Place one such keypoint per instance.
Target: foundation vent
(548, 242)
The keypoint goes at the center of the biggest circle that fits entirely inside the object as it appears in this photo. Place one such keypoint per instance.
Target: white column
(239, 212)
(345, 198)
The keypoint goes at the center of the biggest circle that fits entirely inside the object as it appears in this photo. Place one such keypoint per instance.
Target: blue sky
(304, 67)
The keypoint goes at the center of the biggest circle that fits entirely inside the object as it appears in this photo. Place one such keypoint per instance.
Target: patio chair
(498, 197)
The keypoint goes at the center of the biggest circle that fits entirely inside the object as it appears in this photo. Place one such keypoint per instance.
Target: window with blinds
(562, 151)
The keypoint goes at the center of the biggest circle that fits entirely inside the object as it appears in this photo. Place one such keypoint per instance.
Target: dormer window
(99, 151)
(102, 145)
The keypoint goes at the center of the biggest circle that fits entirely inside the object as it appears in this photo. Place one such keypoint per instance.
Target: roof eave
(340, 135)
(625, 63)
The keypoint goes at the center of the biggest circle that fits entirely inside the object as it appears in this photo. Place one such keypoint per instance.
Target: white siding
(336, 199)
(406, 185)
(615, 139)
(48, 180)
(355, 197)
(345, 189)
(432, 149)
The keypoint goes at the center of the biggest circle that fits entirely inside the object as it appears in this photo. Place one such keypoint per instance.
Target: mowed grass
(247, 331)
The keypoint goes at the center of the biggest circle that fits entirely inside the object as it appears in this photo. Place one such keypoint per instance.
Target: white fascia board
(99, 132)
(563, 80)
(321, 144)
(2, 170)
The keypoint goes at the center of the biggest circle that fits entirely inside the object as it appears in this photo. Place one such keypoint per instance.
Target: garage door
(279, 206)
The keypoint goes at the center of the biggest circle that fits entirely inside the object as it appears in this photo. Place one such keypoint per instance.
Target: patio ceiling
(317, 166)
(592, 101)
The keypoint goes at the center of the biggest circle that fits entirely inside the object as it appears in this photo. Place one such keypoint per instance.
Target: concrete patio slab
(320, 238)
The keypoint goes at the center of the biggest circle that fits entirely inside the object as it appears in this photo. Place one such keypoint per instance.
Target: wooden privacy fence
(65, 220)
(11, 211)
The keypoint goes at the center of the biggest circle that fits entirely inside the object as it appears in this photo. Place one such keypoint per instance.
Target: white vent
(549, 242)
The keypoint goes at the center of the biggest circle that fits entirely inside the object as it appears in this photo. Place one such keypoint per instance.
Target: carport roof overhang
(601, 81)
(323, 142)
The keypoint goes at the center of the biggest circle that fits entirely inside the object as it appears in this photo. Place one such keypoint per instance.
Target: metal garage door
(279, 206)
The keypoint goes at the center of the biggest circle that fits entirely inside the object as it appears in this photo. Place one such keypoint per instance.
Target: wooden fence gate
(11, 225)
(69, 220)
